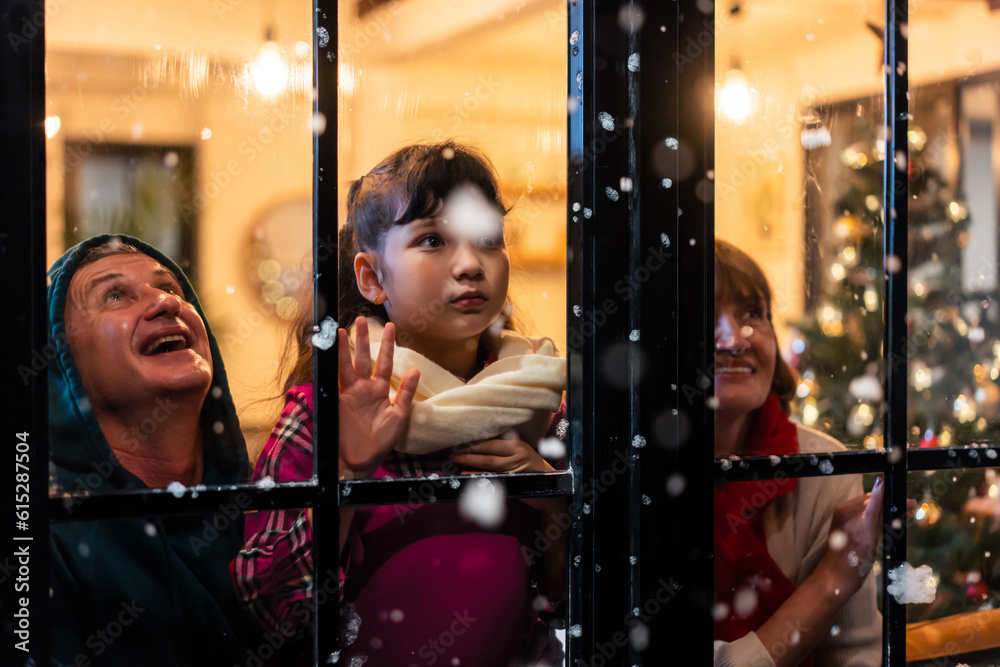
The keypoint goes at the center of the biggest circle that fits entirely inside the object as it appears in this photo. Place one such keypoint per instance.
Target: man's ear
(366, 272)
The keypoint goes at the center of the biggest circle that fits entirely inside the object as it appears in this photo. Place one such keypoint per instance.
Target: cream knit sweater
(797, 525)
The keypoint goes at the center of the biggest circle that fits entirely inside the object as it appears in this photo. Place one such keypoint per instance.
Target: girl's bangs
(432, 179)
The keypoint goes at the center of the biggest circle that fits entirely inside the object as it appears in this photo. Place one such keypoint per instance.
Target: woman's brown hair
(738, 276)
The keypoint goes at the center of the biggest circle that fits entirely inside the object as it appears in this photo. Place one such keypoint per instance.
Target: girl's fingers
(407, 389)
(346, 368)
(495, 447)
(383, 365)
(362, 349)
(481, 461)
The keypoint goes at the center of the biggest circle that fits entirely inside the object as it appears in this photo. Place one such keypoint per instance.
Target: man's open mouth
(164, 344)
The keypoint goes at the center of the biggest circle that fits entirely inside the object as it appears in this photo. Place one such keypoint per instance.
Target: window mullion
(895, 208)
(326, 522)
(443, 488)
(24, 556)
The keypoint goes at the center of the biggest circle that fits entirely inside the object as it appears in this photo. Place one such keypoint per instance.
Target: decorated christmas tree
(952, 351)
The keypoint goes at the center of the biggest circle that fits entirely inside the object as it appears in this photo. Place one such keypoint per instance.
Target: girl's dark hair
(410, 184)
(297, 355)
(737, 276)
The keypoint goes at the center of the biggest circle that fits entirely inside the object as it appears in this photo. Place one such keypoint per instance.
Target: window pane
(954, 328)
(779, 549)
(190, 127)
(490, 77)
(954, 576)
(798, 187)
(495, 79)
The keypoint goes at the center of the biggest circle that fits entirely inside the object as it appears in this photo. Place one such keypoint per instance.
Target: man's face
(132, 334)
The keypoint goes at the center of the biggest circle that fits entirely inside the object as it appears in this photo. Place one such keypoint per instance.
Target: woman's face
(745, 353)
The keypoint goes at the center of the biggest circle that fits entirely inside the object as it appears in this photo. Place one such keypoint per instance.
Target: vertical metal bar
(24, 555)
(689, 478)
(895, 207)
(579, 283)
(601, 325)
(326, 518)
(636, 357)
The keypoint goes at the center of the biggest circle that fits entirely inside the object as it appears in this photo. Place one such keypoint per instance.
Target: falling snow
(552, 448)
(483, 503)
(912, 585)
(352, 624)
(326, 334)
(322, 37)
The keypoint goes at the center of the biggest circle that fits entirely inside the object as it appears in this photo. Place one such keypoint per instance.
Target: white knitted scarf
(519, 391)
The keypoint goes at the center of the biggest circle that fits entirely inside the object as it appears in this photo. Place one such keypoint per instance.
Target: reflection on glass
(190, 127)
(954, 336)
(453, 120)
(798, 185)
(952, 545)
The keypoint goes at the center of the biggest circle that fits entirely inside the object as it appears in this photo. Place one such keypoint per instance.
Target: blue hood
(78, 446)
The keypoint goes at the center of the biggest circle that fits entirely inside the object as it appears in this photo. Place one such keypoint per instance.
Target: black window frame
(629, 544)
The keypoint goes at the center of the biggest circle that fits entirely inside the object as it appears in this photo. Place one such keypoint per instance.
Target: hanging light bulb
(268, 71)
(52, 125)
(736, 99)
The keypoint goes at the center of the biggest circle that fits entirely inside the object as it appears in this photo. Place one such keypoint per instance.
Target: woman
(793, 557)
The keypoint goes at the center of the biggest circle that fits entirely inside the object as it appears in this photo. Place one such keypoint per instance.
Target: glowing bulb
(268, 71)
(736, 97)
(810, 413)
(52, 125)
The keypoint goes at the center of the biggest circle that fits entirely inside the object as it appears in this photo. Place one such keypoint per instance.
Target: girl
(423, 259)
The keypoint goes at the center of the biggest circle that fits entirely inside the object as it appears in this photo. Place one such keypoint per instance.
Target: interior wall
(801, 55)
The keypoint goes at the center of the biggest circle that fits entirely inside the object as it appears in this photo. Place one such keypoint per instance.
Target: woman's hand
(370, 424)
(500, 455)
(852, 546)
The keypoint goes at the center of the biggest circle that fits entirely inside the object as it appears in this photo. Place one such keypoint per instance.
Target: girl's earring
(380, 299)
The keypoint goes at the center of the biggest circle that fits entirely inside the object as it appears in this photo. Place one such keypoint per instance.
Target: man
(138, 398)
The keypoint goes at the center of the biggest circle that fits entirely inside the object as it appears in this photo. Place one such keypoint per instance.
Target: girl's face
(745, 355)
(446, 276)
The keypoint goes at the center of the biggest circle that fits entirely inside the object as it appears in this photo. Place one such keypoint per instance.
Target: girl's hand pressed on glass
(370, 423)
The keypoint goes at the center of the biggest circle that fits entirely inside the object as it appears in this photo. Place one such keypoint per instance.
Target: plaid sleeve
(273, 572)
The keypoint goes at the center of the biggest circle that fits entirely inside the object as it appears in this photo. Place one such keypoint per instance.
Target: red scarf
(742, 563)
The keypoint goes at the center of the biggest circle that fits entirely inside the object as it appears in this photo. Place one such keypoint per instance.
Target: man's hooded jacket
(151, 591)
